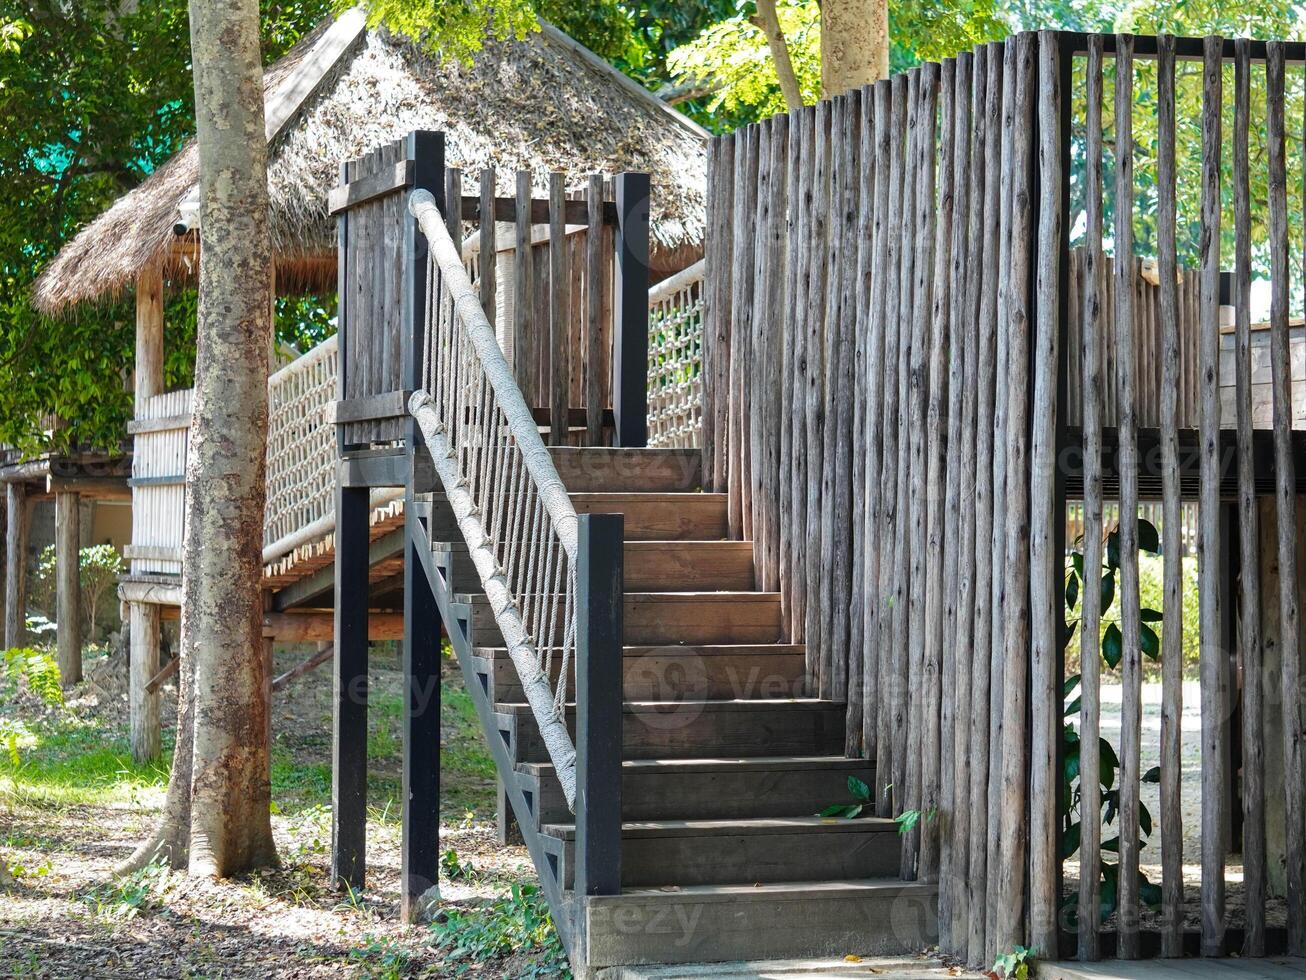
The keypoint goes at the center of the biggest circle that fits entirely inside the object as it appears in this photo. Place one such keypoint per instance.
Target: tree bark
(769, 20)
(854, 44)
(216, 819)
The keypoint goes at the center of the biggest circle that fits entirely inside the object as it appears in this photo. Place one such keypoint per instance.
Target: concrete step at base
(715, 923)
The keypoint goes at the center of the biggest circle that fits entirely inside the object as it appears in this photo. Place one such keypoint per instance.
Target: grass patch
(69, 762)
(518, 925)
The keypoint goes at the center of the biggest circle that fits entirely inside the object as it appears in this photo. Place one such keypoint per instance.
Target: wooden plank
(987, 146)
(1013, 823)
(878, 374)
(717, 323)
(773, 298)
(801, 265)
(941, 203)
(1047, 563)
(787, 581)
(559, 311)
(522, 292)
(575, 211)
(1285, 498)
(1173, 413)
(395, 176)
(757, 368)
(1214, 798)
(889, 655)
(814, 395)
(593, 359)
(1090, 619)
(488, 257)
(741, 308)
(998, 707)
(1253, 761)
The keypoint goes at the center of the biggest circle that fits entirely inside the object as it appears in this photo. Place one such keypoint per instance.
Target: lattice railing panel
(675, 360)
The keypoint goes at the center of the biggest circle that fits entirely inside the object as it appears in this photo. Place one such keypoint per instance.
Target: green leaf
(1112, 646)
(832, 811)
(1150, 642)
(859, 789)
(1111, 846)
(1077, 562)
(1069, 685)
(1113, 549)
(907, 821)
(1148, 538)
(1072, 590)
(1108, 756)
(1108, 590)
(1144, 820)
(1152, 775)
(1151, 616)
(1073, 708)
(1070, 841)
(1148, 892)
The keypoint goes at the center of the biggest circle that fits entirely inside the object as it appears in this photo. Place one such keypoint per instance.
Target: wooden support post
(149, 334)
(600, 589)
(144, 706)
(68, 585)
(349, 733)
(630, 329)
(559, 311)
(15, 565)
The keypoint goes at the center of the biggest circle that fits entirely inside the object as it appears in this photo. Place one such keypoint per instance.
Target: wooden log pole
(1172, 846)
(143, 706)
(1249, 639)
(1013, 821)
(717, 323)
(1131, 668)
(68, 586)
(987, 147)
(788, 367)
(797, 398)
(758, 369)
(559, 311)
(593, 358)
(1090, 657)
(16, 528)
(522, 292)
(1214, 797)
(1046, 574)
(149, 334)
(1285, 489)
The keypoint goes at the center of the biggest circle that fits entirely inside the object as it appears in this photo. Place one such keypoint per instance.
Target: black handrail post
(630, 332)
(349, 683)
(599, 596)
(420, 816)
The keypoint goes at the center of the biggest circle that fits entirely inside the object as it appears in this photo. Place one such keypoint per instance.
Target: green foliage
(99, 568)
(452, 30)
(34, 669)
(122, 899)
(381, 959)
(733, 57)
(66, 761)
(1015, 965)
(861, 794)
(518, 923)
(455, 868)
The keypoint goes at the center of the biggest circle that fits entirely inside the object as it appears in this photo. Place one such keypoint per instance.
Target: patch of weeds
(1015, 965)
(18, 871)
(455, 868)
(124, 898)
(297, 785)
(516, 924)
(385, 713)
(381, 959)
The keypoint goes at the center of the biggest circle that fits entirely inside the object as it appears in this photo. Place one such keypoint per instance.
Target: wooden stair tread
(761, 598)
(778, 763)
(685, 650)
(754, 826)
(590, 467)
(722, 706)
(779, 891)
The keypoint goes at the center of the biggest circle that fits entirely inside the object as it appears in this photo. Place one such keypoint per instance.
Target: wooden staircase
(726, 760)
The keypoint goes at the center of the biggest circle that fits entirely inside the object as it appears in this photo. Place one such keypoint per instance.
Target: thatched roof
(541, 104)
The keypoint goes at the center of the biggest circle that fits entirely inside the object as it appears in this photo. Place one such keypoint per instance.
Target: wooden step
(667, 673)
(670, 789)
(664, 618)
(597, 469)
(648, 566)
(661, 516)
(715, 923)
(661, 853)
(699, 729)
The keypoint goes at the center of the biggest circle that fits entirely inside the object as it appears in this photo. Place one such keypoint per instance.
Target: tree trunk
(854, 44)
(216, 818)
(68, 586)
(769, 21)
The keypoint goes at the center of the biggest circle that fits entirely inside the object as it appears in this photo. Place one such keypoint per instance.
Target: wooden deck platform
(1269, 968)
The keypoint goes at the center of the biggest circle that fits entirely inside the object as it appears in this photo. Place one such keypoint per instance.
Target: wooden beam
(318, 626)
(144, 706)
(149, 333)
(16, 521)
(90, 487)
(68, 586)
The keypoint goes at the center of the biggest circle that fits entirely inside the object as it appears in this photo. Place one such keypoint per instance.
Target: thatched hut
(543, 104)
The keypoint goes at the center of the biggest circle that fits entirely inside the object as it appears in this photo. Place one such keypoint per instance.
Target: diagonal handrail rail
(500, 481)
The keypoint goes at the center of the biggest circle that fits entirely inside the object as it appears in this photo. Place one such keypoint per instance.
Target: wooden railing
(906, 386)
(675, 360)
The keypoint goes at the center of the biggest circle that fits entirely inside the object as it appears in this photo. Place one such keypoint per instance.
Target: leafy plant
(861, 794)
(908, 820)
(454, 868)
(518, 923)
(99, 569)
(1105, 579)
(124, 898)
(381, 959)
(1015, 965)
(33, 668)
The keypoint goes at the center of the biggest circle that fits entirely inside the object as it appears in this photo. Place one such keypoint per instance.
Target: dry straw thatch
(543, 104)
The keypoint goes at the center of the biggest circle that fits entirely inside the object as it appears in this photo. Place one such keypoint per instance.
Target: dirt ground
(74, 806)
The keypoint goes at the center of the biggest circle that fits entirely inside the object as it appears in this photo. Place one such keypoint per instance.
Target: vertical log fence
(962, 353)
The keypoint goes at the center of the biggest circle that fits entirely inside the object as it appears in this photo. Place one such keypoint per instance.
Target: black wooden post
(630, 308)
(420, 816)
(349, 736)
(599, 597)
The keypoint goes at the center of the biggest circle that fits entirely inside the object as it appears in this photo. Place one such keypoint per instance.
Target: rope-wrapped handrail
(505, 493)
